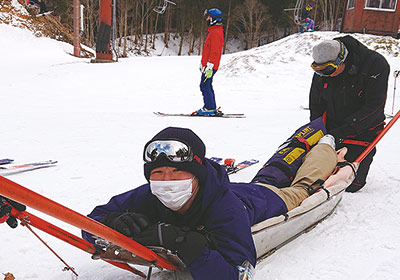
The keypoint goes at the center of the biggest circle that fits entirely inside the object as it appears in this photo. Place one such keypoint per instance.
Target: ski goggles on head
(173, 150)
(328, 68)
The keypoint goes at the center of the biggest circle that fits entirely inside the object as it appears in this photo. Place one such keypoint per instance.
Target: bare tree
(228, 20)
(330, 11)
(90, 20)
(249, 20)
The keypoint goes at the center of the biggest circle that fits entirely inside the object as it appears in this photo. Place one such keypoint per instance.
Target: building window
(380, 4)
(350, 4)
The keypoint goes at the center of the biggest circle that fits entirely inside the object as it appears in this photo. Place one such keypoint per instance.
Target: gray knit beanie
(327, 51)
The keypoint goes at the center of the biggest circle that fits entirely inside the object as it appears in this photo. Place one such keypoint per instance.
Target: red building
(381, 17)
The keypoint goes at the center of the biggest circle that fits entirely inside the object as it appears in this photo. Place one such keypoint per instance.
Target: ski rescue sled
(123, 252)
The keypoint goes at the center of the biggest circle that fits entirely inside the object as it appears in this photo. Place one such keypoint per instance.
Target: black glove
(6, 206)
(127, 223)
(341, 133)
(184, 242)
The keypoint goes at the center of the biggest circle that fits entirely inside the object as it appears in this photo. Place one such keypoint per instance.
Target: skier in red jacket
(210, 59)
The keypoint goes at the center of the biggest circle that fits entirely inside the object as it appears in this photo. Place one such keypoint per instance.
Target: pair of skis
(6, 169)
(231, 167)
(229, 116)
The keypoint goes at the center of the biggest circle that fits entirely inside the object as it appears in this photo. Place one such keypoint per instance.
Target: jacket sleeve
(234, 245)
(375, 93)
(139, 200)
(316, 103)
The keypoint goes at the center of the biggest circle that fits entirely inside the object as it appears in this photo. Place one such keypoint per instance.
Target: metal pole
(81, 21)
(77, 47)
(113, 28)
(396, 75)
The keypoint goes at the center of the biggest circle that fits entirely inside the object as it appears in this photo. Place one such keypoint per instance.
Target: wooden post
(77, 44)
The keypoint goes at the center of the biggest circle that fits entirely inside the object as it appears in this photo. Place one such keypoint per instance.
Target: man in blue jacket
(190, 207)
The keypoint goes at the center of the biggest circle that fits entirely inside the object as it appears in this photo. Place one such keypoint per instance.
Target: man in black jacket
(349, 88)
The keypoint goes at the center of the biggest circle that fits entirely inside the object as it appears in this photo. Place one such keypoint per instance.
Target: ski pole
(396, 75)
(45, 244)
(27, 218)
(378, 138)
(47, 206)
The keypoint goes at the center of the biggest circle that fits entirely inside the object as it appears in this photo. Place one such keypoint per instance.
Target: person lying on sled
(190, 207)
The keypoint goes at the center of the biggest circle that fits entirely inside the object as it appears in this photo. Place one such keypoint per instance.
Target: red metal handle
(66, 236)
(36, 201)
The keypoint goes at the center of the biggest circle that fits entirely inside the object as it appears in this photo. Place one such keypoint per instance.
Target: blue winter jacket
(227, 210)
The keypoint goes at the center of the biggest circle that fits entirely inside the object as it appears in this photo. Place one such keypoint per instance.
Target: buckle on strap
(312, 189)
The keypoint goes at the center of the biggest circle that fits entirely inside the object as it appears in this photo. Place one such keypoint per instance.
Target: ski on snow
(17, 168)
(204, 116)
(231, 167)
(44, 14)
(5, 161)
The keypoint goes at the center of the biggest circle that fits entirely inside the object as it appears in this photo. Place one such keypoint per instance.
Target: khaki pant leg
(291, 196)
(318, 164)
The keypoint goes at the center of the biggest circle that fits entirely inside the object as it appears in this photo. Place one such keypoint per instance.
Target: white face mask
(173, 194)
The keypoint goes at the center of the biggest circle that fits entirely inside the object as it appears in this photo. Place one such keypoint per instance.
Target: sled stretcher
(124, 252)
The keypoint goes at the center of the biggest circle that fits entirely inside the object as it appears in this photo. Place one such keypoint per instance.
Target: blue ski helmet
(214, 14)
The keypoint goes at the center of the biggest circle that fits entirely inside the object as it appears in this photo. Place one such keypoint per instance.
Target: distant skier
(210, 59)
(350, 86)
(306, 17)
(38, 3)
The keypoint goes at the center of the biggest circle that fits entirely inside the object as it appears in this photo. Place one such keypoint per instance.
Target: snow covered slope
(95, 118)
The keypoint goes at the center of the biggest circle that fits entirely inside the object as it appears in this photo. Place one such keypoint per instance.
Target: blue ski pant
(208, 91)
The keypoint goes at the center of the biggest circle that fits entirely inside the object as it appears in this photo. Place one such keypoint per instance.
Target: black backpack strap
(312, 189)
(295, 142)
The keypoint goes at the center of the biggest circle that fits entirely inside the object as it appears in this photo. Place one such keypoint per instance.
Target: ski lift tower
(103, 47)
